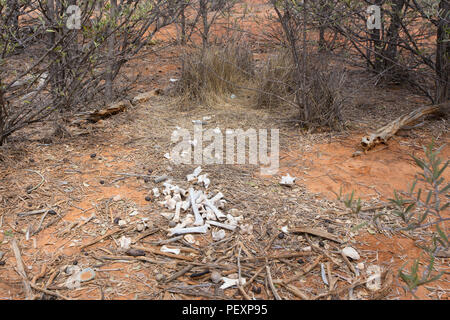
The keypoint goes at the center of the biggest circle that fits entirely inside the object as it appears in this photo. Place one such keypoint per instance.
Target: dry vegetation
(78, 178)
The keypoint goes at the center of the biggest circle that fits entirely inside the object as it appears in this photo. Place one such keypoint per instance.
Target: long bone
(200, 229)
(221, 225)
(198, 218)
(220, 216)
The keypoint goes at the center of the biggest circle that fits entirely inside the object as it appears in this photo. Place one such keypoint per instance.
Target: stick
(308, 269)
(110, 233)
(317, 232)
(279, 256)
(146, 234)
(40, 275)
(30, 213)
(348, 263)
(271, 285)
(179, 273)
(130, 258)
(167, 254)
(56, 294)
(295, 291)
(244, 294)
(21, 270)
(254, 276)
(196, 292)
(39, 184)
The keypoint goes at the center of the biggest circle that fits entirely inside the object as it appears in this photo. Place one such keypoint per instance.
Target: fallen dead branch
(383, 134)
(107, 112)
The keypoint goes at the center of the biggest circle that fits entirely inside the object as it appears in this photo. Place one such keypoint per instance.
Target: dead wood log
(383, 134)
(98, 115)
(111, 110)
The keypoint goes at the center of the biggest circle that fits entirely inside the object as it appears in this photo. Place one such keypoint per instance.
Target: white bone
(217, 197)
(189, 238)
(220, 216)
(167, 215)
(183, 192)
(170, 204)
(233, 220)
(231, 282)
(203, 179)
(185, 205)
(287, 180)
(176, 218)
(201, 197)
(246, 228)
(125, 242)
(200, 229)
(197, 171)
(198, 218)
(209, 215)
(194, 175)
(156, 192)
(219, 235)
(189, 219)
(220, 204)
(171, 250)
(177, 197)
(221, 225)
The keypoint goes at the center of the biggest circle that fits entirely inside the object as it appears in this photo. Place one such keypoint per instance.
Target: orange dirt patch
(398, 252)
(328, 167)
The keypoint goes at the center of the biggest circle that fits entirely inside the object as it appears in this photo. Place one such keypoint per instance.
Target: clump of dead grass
(211, 74)
(278, 86)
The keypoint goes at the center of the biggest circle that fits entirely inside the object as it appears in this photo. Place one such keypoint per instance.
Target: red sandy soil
(323, 170)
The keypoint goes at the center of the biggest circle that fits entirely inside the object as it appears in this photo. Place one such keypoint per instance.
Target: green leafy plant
(349, 201)
(422, 207)
(414, 280)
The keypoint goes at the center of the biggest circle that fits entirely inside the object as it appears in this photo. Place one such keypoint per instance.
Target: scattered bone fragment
(219, 235)
(203, 179)
(170, 250)
(287, 180)
(189, 238)
(231, 282)
(194, 175)
(350, 252)
(125, 243)
(374, 278)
